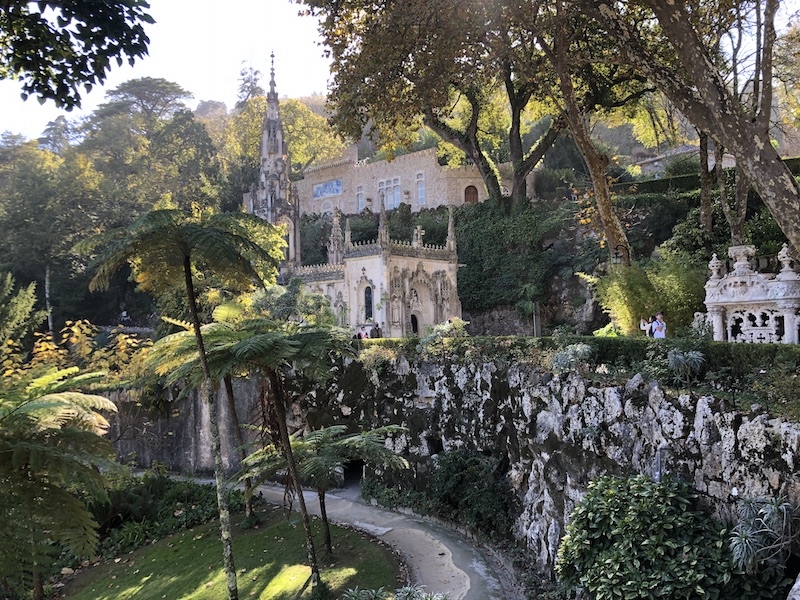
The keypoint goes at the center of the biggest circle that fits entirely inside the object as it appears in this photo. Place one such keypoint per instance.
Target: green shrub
(685, 365)
(377, 357)
(626, 294)
(153, 506)
(574, 357)
(504, 252)
(473, 490)
(466, 488)
(635, 538)
(671, 284)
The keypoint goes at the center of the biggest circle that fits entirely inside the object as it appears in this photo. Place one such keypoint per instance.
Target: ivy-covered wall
(556, 433)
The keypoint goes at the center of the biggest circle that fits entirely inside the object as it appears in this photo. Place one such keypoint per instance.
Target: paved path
(438, 558)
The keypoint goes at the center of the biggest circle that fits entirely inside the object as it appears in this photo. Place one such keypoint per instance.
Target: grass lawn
(270, 563)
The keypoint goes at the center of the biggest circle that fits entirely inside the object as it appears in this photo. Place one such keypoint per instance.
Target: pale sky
(200, 44)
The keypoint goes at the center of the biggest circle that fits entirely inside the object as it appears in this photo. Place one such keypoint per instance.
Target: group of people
(363, 334)
(654, 326)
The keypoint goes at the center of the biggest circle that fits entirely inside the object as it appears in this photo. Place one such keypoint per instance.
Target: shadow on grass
(270, 563)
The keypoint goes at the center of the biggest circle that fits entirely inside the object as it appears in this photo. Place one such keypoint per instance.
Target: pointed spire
(383, 229)
(451, 230)
(272, 73)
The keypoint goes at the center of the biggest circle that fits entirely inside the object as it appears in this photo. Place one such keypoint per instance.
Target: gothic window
(471, 195)
(360, 198)
(389, 189)
(396, 190)
(421, 188)
(414, 325)
(368, 303)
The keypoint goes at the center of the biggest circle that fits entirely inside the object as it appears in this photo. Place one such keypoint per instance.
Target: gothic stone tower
(273, 198)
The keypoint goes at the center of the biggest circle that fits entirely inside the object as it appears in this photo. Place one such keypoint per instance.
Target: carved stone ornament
(747, 306)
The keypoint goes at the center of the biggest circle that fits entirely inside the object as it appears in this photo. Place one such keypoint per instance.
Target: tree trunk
(38, 584)
(326, 526)
(48, 306)
(735, 214)
(706, 182)
(467, 141)
(280, 410)
(207, 393)
(595, 160)
(237, 434)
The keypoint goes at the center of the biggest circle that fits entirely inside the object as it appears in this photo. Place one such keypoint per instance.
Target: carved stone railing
(318, 272)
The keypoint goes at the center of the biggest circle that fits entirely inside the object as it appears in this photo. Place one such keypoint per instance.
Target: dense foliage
(636, 538)
(153, 506)
(465, 487)
(56, 46)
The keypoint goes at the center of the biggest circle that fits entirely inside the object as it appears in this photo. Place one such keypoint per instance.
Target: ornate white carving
(753, 307)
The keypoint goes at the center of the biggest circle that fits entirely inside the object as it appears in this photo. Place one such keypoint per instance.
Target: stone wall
(557, 432)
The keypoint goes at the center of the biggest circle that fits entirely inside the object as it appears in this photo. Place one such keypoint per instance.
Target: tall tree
(165, 245)
(587, 83)
(152, 98)
(57, 136)
(309, 136)
(249, 86)
(679, 57)
(400, 61)
(266, 348)
(56, 46)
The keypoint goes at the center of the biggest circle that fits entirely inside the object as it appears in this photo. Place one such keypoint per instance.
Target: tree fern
(50, 447)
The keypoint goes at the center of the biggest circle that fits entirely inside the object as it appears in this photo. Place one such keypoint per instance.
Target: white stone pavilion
(747, 306)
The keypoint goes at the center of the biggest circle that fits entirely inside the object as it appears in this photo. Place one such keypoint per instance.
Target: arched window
(421, 189)
(368, 303)
(396, 190)
(360, 198)
(471, 195)
(382, 194)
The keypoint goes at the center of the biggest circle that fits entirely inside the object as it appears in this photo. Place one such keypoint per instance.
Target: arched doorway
(414, 325)
(471, 195)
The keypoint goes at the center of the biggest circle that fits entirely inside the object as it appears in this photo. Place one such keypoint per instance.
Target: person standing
(659, 327)
(646, 325)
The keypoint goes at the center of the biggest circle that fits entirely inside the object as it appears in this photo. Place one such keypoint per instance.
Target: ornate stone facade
(747, 306)
(390, 287)
(401, 287)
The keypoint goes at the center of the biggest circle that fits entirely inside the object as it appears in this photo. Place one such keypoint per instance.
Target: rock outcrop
(558, 433)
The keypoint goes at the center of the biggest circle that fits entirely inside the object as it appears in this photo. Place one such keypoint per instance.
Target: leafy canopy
(55, 46)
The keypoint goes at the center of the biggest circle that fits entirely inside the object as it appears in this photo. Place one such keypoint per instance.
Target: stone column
(789, 311)
(718, 323)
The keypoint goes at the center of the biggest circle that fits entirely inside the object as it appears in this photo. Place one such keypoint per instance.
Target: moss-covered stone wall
(557, 433)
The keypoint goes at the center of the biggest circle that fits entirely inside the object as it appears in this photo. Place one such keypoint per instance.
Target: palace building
(392, 288)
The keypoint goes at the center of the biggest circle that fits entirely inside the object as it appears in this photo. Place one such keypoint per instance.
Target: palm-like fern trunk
(216, 449)
(326, 526)
(237, 433)
(280, 411)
